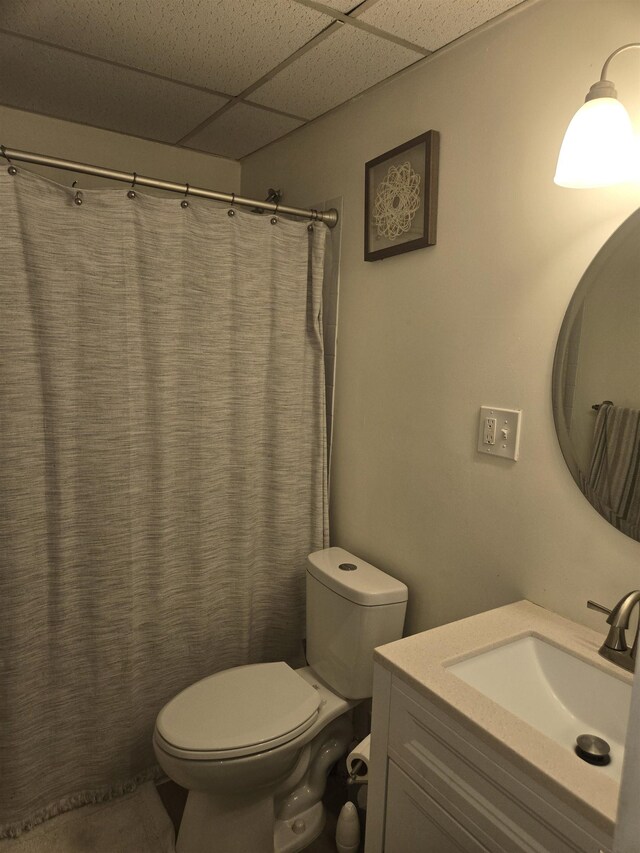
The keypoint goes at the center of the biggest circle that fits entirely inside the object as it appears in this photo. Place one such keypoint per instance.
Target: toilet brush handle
(348, 829)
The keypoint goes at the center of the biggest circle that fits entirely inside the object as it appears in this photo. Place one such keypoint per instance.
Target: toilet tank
(352, 607)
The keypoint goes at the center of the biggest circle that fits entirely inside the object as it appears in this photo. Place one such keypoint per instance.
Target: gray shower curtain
(162, 470)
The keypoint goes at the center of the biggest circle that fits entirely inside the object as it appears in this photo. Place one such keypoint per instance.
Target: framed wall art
(401, 198)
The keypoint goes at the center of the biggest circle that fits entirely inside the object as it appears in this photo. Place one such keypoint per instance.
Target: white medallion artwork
(397, 201)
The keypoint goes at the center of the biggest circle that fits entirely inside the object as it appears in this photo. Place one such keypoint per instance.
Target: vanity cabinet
(436, 787)
(415, 821)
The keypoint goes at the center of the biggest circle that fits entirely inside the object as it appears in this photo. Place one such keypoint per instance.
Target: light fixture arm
(618, 50)
(604, 88)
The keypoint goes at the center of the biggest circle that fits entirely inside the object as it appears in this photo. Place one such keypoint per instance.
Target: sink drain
(593, 750)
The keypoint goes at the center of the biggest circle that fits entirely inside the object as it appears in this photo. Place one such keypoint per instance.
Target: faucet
(615, 646)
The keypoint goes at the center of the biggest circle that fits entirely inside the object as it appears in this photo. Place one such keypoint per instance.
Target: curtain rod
(330, 217)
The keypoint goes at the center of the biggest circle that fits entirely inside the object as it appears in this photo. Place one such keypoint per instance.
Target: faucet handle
(616, 639)
(593, 605)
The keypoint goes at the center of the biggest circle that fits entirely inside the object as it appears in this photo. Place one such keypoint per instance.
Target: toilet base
(291, 836)
(229, 824)
(234, 827)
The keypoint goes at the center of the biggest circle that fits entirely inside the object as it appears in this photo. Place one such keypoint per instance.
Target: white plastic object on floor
(348, 829)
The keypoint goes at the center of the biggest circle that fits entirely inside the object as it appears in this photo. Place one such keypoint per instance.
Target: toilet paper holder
(357, 772)
(358, 762)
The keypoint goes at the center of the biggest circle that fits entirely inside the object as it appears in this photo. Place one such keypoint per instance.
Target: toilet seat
(239, 712)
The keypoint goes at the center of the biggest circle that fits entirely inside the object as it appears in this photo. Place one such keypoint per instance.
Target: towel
(612, 484)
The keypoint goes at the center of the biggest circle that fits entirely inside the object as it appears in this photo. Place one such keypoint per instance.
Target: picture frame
(401, 198)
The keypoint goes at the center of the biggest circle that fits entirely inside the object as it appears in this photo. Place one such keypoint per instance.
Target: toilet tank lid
(364, 585)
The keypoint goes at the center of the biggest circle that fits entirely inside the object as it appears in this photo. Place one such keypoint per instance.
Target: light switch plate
(503, 439)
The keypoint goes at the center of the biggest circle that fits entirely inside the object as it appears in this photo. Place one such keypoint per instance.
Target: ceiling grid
(225, 77)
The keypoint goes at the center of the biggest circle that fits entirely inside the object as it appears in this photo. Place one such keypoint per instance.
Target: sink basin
(557, 693)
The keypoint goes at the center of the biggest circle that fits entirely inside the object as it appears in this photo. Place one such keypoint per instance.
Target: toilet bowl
(253, 745)
(234, 785)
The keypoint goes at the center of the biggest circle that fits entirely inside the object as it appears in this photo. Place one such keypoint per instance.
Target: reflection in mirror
(598, 359)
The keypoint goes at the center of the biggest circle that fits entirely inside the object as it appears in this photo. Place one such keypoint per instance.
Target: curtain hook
(231, 211)
(12, 169)
(131, 193)
(184, 203)
(274, 218)
(77, 199)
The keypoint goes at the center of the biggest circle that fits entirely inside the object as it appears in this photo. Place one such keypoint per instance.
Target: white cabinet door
(416, 823)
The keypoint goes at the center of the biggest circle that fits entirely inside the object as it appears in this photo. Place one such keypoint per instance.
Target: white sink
(555, 692)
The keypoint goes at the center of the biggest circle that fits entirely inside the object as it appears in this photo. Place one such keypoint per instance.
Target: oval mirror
(596, 381)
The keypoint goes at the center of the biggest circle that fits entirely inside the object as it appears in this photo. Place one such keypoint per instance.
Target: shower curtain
(162, 470)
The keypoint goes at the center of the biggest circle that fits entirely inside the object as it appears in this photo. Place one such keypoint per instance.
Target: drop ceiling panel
(337, 68)
(241, 130)
(65, 85)
(432, 23)
(160, 69)
(224, 45)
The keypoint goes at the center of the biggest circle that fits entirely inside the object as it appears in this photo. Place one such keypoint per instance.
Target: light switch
(499, 432)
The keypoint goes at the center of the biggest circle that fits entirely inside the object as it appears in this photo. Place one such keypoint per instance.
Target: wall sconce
(599, 148)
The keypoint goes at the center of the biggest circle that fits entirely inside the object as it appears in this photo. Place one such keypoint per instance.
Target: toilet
(253, 745)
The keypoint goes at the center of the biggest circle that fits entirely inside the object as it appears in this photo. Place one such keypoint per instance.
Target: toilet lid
(241, 711)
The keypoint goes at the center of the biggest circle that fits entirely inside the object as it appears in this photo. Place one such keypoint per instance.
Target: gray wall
(70, 141)
(425, 338)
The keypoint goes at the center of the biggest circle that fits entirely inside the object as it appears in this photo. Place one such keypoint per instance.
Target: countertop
(420, 661)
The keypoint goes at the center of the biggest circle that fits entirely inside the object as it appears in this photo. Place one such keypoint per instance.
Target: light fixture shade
(598, 147)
